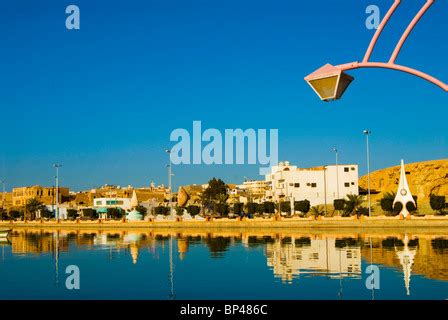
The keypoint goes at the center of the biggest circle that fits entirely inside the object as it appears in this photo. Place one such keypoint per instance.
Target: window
(314, 256)
(98, 203)
(352, 168)
(313, 185)
(296, 185)
(346, 169)
(291, 184)
(347, 184)
(353, 183)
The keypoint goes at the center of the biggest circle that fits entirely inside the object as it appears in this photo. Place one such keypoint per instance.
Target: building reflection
(288, 255)
(294, 257)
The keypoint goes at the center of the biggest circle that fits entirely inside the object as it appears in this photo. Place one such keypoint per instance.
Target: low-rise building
(251, 191)
(46, 195)
(123, 203)
(319, 185)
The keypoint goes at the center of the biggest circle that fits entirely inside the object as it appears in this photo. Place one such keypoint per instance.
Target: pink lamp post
(330, 82)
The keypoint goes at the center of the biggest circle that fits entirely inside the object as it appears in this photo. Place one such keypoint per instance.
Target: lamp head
(329, 82)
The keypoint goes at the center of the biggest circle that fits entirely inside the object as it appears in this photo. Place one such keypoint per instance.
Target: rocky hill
(424, 178)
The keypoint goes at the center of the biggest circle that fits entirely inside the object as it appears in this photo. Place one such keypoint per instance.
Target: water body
(196, 264)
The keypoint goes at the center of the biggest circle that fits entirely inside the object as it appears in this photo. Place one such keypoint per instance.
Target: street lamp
(330, 82)
(57, 166)
(170, 174)
(367, 133)
(325, 188)
(337, 172)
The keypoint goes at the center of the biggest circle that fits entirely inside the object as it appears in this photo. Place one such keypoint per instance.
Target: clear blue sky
(103, 100)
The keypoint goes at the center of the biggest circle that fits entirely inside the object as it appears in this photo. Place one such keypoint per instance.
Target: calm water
(222, 265)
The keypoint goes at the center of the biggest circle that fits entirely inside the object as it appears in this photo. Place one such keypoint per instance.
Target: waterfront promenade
(381, 222)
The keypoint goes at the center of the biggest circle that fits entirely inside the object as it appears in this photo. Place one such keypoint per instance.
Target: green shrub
(15, 214)
(387, 203)
(437, 203)
(45, 213)
(259, 208)
(115, 213)
(251, 207)
(193, 210)
(339, 204)
(179, 211)
(143, 210)
(397, 208)
(161, 210)
(285, 206)
(72, 214)
(269, 207)
(4, 214)
(222, 209)
(238, 208)
(303, 206)
(89, 213)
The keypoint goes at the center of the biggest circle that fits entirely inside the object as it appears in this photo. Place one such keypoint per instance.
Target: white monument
(403, 193)
(134, 215)
(406, 257)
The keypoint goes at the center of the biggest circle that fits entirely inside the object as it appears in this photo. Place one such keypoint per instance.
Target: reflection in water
(406, 257)
(313, 257)
(289, 256)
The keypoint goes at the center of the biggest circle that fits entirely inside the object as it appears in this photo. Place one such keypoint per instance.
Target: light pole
(325, 188)
(367, 133)
(337, 172)
(169, 182)
(3, 198)
(57, 166)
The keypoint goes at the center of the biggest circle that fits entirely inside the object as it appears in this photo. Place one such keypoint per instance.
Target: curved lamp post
(330, 82)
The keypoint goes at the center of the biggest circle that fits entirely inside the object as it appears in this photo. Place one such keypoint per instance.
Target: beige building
(110, 195)
(6, 200)
(46, 195)
(251, 191)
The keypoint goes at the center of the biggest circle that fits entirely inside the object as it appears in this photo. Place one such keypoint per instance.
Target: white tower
(403, 193)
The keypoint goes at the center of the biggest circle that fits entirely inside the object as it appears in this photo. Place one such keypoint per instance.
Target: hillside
(424, 178)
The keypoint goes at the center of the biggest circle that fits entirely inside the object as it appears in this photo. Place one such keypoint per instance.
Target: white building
(123, 203)
(319, 185)
(251, 190)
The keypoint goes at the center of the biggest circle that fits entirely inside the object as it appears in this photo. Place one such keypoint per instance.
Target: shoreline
(336, 223)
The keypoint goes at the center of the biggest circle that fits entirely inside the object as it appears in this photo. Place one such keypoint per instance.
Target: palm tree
(33, 206)
(352, 203)
(317, 211)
